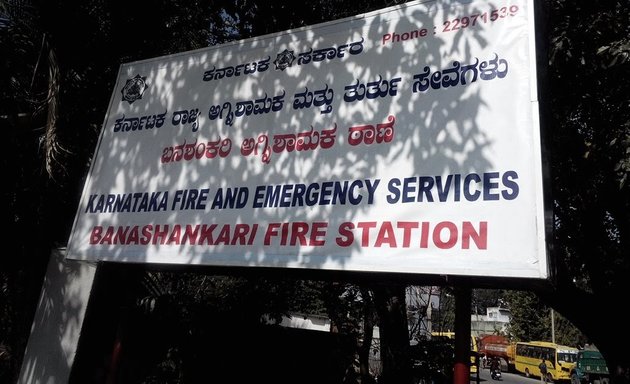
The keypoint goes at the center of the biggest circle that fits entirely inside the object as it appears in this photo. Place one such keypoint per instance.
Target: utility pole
(553, 327)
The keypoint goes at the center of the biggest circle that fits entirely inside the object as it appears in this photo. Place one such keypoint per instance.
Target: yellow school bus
(560, 359)
(474, 348)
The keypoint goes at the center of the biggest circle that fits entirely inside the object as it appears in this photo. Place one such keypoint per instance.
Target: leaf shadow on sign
(436, 133)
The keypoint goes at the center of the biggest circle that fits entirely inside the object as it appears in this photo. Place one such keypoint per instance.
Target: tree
(482, 299)
(530, 317)
(531, 320)
(392, 314)
(588, 136)
(55, 85)
(55, 82)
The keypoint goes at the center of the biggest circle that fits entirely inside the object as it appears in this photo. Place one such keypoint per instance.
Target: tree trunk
(368, 334)
(392, 313)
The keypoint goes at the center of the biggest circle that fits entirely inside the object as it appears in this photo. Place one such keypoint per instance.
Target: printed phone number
(478, 18)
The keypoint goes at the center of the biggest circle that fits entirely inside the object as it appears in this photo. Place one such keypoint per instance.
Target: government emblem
(134, 89)
(284, 59)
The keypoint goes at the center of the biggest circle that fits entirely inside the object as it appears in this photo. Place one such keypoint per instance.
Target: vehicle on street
(530, 354)
(495, 346)
(590, 368)
(495, 374)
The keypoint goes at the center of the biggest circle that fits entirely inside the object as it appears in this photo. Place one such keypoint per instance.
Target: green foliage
(84, 59)
(444, 317)
(483, 298)
(433, 360)
(588, 136)
(530, 317)
(568, 334)
(589, 133)
(531, 320)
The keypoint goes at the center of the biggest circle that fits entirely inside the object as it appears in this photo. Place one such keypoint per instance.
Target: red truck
(491, 346)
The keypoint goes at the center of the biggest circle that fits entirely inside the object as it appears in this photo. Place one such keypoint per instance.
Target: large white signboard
(404, 140)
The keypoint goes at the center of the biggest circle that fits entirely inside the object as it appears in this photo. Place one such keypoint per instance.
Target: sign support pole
(58, 322)
(461, 374)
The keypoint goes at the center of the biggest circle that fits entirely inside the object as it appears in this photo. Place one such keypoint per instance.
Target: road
(506, 378)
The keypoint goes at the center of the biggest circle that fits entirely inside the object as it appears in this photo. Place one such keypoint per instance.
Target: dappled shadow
(468, 127)
(57, 324)
(455, 102)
